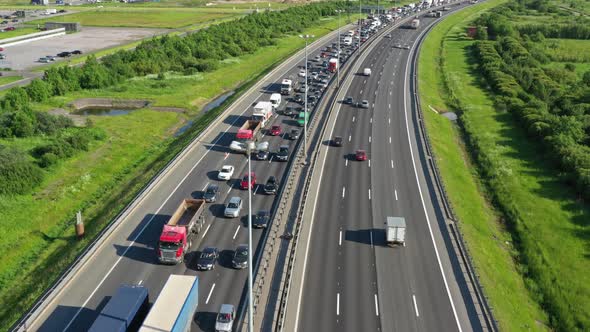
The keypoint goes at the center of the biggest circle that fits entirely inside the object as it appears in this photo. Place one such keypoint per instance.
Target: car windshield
(224, 318)
(283, 150)
(242, 253)
(225, 169)
(232, 205)
(262, 214)
(211, 191)
(169, 245)
(208, 254)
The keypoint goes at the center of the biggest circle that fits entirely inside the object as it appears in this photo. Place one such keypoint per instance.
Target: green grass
(17, 32)
(102, 180)
(568, 50)
(139, 17)
(488, 242)
(9, 79)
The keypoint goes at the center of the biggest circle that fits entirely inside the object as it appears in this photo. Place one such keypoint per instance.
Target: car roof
(284, 146)
(242, 246)
(209, 249)
(235, 199)
(213, 186)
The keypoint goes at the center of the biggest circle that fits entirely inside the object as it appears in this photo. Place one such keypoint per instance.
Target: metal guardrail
(485, 315)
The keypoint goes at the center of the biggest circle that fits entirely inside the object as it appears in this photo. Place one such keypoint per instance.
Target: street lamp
(338, 66)
(306, 37)
(250, 299)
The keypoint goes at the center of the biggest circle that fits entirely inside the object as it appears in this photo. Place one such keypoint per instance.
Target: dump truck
(249, 131)
(262, 112)
(177, 233)
(396, 231)
(175, 307)
(125, 310)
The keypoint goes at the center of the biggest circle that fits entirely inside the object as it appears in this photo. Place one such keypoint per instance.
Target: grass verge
(9, 79)
(102, 181)
(443, 62)
(17, 32)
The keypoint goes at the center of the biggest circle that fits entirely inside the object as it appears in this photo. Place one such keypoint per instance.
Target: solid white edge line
(392, 163)
(340, 239)
(229, 189)
(371, 236)
(376, 306)
(206, 230)
(369, 193)
(406, 92)
(369, 162)
(415, 305)
(337, 304)
(236, 233)
(395, 191)
(349, 137)
(346, 162)
(210, 292)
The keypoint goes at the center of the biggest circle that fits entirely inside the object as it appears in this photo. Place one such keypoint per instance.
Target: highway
(127, 256)
(352, 280)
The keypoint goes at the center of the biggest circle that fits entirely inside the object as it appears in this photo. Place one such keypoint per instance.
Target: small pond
(103, 111)
(218, 101)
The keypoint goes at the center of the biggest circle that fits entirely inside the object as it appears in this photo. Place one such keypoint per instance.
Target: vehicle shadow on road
(225, 258)
(234, 120)
(63, 314)
(144, 232)
(140, 254)
(205, 320)
(369, 236)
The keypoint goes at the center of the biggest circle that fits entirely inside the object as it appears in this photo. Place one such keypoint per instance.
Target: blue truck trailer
(124, 311)
(175, 307)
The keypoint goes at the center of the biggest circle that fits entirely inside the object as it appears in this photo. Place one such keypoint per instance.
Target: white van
(347, 41)
(275, 100)
(367, 72)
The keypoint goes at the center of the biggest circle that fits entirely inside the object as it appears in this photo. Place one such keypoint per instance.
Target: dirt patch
(79, 120)
(168, 109)
(83, 103)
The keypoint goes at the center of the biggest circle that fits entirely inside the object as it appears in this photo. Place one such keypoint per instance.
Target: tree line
(553, 105)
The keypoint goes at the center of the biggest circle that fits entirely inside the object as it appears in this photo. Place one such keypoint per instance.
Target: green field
(9, 79)
(17, 32)
(444, 53)
(141, 17)
(568, 50)
(103, 179)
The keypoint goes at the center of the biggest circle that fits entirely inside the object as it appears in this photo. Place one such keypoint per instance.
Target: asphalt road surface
(128, 254)
(353, 281)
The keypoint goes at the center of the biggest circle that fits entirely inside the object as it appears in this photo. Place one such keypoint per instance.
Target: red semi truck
(176, 238)
(249, 131)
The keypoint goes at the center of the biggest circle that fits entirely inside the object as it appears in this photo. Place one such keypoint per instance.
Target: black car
(348, 100)
(337, 141)
(208, 258)
(77, 52)
(211, 192)
(298, 99)
(64, 54)
(294, 134)
(261, 219)
(272, 186)
(289, 111)
(283, 153)
(240, 260)
(312, 99)
(262, 155)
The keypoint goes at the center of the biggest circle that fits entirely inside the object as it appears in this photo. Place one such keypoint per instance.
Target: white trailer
(396, 231)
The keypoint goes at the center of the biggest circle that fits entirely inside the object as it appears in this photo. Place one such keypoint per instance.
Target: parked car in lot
(64, 54)
(261, 219)
(207, 259)
(50, 57)
(211, 193)
(248, 181)
(43, 60)
(233, 208)
(361, 155)
(77, 52)
(272, 186)
(240, 260)
(226, 172)
(337, 141)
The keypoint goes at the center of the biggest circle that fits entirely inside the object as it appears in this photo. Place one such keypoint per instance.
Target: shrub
(18, 174)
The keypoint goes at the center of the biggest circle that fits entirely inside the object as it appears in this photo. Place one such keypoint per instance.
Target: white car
(302, 73)
(226, 172)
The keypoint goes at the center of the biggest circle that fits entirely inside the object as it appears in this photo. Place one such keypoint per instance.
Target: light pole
(250, 299)
(338, 66)
(306, 37)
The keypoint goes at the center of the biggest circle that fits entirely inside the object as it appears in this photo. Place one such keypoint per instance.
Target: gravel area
(25, 56)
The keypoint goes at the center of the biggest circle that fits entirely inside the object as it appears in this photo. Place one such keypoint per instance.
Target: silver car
(233, 208)
(225, 318)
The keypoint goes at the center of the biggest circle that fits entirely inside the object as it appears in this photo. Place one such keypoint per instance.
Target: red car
(361, 155)
(275, 130)
(244, 183)
(9, 29)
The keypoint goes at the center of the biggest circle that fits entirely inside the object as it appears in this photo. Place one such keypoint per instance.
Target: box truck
(396, 231)
(124, 312)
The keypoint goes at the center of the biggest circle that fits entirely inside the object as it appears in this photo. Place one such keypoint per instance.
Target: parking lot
(26, 56)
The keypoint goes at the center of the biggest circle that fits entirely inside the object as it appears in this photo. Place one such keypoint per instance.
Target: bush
(18, 174)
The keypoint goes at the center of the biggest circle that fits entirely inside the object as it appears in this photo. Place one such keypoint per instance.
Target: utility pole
(338, 66)
(250, 251)
(306, 37)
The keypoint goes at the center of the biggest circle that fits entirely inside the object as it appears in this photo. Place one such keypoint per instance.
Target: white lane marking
(371, 120)
(373, 105)
(343, 191)
(369, 139)
(361, 92)
(415, 305)
(210, 292)
(226, 154)
(236, 233)
(205, 187)
(389, 120)
(406, 92)
(346, 162)
(269, 160)
(389, 139)
(369, 162)
(365, 82)
(375, 92)
(353, 119)
(349, 137)
(256, 190)
(340, 239)
(395, 191)
(338, 304)
(391, 163)
(376, 306)
(140, 282)
(390, 91)
(206, 230)
(228, 189)
(369, 194)
(371, 236)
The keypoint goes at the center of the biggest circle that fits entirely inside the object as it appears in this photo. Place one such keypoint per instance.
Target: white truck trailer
(396, 231)
(175, 307)
(262, 112)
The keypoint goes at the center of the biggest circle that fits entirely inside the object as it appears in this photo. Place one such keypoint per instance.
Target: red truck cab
(244, 183)
(172, 238)
(275, 130)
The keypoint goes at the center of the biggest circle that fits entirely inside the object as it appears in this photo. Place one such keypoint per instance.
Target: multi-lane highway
(353, 281)
(128, 255)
